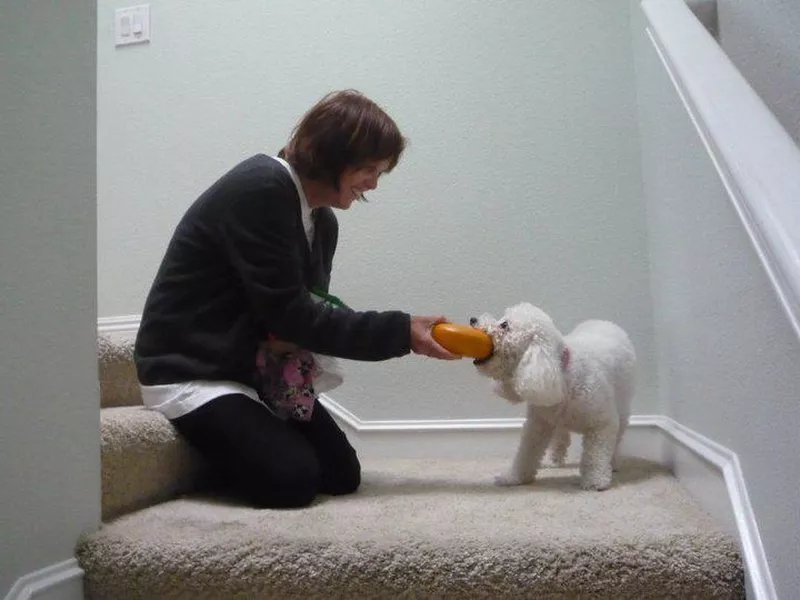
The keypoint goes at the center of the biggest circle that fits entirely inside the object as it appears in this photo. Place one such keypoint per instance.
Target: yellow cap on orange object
(463, 340)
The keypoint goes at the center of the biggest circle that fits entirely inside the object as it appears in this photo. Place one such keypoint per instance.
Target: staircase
(415, 529)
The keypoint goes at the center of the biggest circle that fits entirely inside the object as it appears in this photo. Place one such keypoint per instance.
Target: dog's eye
(503, 324)
(473, 321)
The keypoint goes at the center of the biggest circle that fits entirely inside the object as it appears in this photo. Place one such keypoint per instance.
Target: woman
(250, 261)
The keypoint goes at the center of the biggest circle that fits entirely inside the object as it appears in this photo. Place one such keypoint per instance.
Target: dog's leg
(597, 455)
(536, 434)
(623, 425)
(559, 446)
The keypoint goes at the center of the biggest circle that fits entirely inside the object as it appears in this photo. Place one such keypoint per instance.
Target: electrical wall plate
(132, 25)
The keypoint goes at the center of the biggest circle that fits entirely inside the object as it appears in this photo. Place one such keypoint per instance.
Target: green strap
(329, 298)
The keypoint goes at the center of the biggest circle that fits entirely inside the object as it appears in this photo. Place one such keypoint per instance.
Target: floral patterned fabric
(286, 379)
(287, 382)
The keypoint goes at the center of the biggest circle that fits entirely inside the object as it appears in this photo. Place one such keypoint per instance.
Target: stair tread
(144, 460)
(430, 527)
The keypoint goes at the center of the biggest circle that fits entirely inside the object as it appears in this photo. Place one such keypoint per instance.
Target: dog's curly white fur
(581, 382)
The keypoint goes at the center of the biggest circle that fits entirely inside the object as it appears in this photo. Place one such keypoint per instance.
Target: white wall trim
(61, 580)
(470, 439)
(727, 463)
(128, 324)
(416, 425)
(756, 159)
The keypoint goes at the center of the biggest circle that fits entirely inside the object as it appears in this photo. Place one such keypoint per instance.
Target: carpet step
(426, 529)
(117, 373)
(144, 460)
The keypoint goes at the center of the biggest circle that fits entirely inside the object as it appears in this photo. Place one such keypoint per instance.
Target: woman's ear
(539, 380)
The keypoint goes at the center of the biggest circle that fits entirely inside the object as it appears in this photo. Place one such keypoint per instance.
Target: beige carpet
(144, 460)
(426, 529)
(117, 373)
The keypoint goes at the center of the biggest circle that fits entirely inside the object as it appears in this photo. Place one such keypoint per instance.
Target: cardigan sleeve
(260, 236)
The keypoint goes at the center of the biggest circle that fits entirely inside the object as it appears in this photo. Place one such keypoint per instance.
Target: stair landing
(426, 528)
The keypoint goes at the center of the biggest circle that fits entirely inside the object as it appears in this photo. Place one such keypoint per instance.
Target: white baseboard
(61, 581)
(469, 438)
(119, 328)
(691, 455)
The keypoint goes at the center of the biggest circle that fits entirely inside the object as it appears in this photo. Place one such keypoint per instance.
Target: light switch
(132, 25)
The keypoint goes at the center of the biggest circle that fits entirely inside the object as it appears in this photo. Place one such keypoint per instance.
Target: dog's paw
(511, 479)
(595, 485)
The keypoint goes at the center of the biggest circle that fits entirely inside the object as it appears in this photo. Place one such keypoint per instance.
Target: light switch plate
(132, 25)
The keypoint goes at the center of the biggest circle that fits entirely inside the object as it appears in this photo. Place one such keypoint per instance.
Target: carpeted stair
(415, 529)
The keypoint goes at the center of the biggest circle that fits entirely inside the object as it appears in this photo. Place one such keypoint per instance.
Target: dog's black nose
(473, 321)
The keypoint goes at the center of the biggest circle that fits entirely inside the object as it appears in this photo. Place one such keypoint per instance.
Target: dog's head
(527, 353)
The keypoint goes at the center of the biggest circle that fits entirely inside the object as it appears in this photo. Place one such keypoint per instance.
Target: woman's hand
(423, 343)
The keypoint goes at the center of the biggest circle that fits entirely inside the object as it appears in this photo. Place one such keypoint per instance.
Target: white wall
(522, 180)
(727, 355)
(762, 37)
(49, 437)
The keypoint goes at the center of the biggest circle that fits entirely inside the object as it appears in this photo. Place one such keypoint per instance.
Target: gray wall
(727, 355)
(762, 37)
(521, 183)
(49, 437)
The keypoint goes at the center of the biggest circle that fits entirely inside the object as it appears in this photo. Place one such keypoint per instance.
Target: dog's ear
(539, 379)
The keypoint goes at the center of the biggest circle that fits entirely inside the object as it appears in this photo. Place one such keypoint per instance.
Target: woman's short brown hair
(344, 129)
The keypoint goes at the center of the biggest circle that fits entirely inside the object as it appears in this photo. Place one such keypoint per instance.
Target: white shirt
(305, 209)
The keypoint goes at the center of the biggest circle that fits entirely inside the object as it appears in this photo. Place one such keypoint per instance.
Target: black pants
(270, 462)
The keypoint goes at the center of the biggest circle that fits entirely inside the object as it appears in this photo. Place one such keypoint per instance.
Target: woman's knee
(285, 490)
(344, 478)
(293, 484)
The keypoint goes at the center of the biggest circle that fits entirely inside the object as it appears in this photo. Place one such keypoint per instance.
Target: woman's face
(355, 181)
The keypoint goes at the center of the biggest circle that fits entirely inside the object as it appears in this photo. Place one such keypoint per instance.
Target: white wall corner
(60, 581)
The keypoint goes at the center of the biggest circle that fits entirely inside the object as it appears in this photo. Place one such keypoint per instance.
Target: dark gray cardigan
(238, 268)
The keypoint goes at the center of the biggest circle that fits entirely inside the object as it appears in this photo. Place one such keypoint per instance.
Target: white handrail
(758, 161)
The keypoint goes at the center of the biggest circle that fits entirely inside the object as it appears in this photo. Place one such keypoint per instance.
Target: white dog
(581, 382)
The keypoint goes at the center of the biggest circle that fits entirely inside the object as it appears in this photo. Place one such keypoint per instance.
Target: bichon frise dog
(581, 382)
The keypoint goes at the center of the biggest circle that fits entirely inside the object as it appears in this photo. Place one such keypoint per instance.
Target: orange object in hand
(463, 340)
